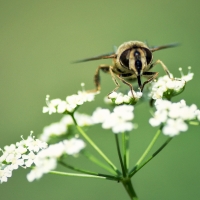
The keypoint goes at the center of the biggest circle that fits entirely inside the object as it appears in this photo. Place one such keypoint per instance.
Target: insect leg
(104, 68)
(152, 76)
(163, 66)
(114, 80)
(127, 83)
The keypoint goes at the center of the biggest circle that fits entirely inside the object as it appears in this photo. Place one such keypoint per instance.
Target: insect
(132, 60)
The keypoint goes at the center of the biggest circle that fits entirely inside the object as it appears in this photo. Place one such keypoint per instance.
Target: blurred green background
(38, 41)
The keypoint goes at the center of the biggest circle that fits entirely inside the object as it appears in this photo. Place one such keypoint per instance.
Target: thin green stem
(78, 175)
(125, 143)
(88, 172)
(194, 123)
(98, 162)
(95, 147)
(119, 154)
(153, 155)
(146, 152)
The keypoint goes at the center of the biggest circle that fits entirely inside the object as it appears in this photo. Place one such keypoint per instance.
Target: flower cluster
(35, 153)
(168, 87)
(70, 104)
(62, 127)
(119, 120)
(119, 98)
(20, 154)
(173, 116)
(46, 160)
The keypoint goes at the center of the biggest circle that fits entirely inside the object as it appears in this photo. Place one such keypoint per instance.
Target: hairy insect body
(132, 60)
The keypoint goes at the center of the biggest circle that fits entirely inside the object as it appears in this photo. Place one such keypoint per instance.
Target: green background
(38, 41)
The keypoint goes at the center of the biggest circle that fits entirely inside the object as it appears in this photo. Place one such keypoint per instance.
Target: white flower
(62, 107)
(187, 77)
(100, 115)
(35, 145)
(43, 166)
(113, 95)
(160, 116)
(30, 158)
(122, 126)
(86, 96)
(137, 95)
(57, 129)
(67, 120)
(10, 148)
(73, 146)
(124, 111)
(118, 120)
(53, 151)
(83, 119)
(173, 116)
(169, 87)
(5, 174)
(74, 100)
(126, 99)
(120, 98)
(174, 127)
(51, 105)
(16, 162)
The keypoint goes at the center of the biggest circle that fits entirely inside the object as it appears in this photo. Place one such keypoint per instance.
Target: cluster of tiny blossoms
(120, 120)
(60, 128)
(70, 104)
(168, 87)
(46, 160)
(37, 154)
(174, 116)
(120, 98)
(20, 154)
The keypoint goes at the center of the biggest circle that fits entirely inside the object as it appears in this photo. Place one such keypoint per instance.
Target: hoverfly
(132, 60)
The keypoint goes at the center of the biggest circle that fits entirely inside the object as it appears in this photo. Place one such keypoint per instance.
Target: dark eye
(124, 58)
(148, 55)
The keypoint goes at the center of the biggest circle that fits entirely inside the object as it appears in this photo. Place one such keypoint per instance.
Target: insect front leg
(127, 83)
(151, 76)
(163, 66)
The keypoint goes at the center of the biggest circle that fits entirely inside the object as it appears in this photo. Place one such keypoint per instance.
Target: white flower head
(173, 116)
(51, 105)
(120, 98)
(100, 115)
(169, 87)
(70, 104)
(73, 146)
(119, 120)
(54, 129)
(83, 119)
(5, 173)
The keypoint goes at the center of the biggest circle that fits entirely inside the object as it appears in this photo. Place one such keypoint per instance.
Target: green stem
(98, 162)
(119, 154)
(129, 188)
(153, 155)
(194, 123)
(77, 175)
(89, 172)
(96, 147)
(145, 152)
(125, 139)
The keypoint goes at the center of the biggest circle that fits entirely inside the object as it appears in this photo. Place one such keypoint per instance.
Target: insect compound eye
(148, 55)
(124, 58)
